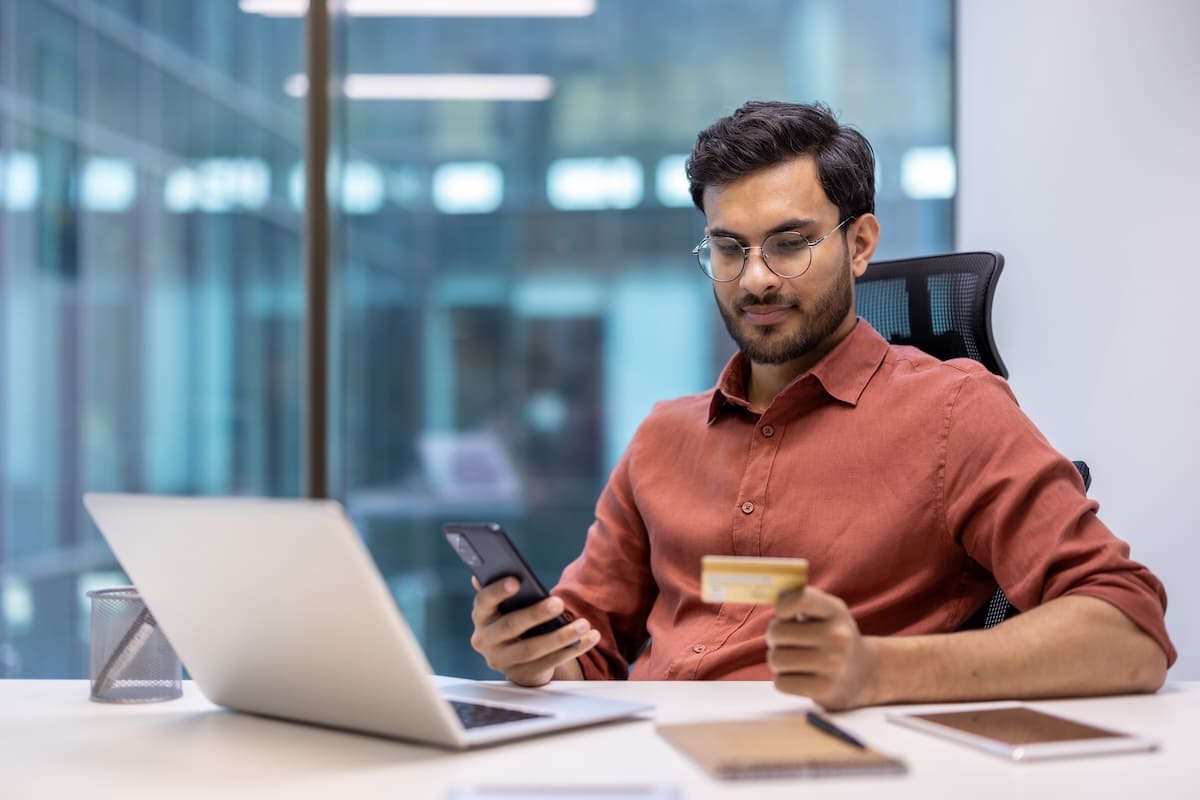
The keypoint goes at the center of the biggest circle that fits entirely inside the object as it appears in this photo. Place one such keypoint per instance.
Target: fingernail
(555, 605)
(510, 584)
(593, 636)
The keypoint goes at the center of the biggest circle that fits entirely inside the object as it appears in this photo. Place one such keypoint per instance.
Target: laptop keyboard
(475, 715)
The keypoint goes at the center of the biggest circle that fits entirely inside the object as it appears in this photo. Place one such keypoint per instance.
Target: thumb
(788, 604)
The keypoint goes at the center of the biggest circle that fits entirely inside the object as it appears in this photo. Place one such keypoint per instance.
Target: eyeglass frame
(759, 247)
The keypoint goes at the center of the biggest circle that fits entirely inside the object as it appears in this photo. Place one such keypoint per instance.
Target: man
(912, 486)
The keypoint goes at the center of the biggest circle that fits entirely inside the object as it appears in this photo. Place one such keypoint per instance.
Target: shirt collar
(843, 373)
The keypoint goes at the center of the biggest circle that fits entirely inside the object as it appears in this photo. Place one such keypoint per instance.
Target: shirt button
(698, 648)
(768, 431)
(747, 508)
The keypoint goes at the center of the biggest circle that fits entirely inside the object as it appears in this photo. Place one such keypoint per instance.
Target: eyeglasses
(786, 253)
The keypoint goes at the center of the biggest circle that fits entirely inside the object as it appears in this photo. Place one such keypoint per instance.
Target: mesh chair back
(940, 304)
(943, 305)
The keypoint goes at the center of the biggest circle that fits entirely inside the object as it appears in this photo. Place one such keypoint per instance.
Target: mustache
(772, 298)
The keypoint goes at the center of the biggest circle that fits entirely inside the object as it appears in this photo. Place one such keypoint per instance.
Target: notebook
(774, 747)
(276, 608)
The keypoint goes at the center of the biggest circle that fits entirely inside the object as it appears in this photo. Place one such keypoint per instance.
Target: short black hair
(762, 134)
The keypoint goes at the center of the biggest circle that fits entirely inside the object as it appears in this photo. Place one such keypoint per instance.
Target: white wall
(1079, 160)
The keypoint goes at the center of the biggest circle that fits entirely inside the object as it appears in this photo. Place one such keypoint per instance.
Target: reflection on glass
(149, 284)
(513, 313)
(513, 280)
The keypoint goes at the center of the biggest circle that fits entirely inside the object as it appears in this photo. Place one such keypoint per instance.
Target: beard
(766, 345)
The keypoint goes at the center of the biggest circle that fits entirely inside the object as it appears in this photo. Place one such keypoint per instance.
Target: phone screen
(490, 555)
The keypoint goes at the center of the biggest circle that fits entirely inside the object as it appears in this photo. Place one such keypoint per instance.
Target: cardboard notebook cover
(774, 747)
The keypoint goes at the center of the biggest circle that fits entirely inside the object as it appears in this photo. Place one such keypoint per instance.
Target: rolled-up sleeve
(1018, 507)
(610, 584)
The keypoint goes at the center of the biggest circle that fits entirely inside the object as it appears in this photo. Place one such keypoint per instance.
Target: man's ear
(862, 239)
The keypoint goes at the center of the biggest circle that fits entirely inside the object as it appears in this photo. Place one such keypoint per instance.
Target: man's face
(776, 320)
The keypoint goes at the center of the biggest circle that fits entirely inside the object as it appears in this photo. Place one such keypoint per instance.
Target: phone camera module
(465, 551)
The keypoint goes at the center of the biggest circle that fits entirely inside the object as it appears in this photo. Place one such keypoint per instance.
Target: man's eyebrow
(789, 225)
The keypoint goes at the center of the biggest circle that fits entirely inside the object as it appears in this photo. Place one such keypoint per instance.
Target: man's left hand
(814, 649)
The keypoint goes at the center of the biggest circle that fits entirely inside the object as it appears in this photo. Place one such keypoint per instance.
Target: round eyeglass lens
(721, 258)
(787, 253)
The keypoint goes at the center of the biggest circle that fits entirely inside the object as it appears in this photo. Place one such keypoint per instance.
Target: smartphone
(1021, 733)
(490, 555)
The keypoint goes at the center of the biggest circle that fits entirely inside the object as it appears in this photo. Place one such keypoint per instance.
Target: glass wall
(512, 280)
(150, 291)
(516, 286)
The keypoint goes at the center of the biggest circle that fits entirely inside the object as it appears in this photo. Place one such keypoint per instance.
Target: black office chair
(940, 304)
(943, 305)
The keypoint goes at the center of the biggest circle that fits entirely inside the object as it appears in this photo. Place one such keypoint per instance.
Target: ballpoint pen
(820, 722)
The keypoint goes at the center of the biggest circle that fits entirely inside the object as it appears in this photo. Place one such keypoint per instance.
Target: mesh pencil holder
(132, 661)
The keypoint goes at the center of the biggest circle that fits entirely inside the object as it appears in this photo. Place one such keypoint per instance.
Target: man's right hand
(534, 661)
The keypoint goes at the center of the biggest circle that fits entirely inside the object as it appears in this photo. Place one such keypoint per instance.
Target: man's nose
(757, 278)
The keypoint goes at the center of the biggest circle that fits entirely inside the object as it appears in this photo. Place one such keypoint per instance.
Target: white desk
(55, 743)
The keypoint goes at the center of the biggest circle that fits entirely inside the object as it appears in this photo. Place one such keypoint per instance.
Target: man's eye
(727, 248)
(790, 244)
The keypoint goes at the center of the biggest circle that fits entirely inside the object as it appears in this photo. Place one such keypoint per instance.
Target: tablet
(1020, 733)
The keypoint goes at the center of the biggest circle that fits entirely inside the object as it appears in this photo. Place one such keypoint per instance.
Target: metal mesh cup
(132, 661)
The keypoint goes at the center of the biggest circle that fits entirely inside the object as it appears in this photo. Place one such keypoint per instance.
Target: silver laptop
(276, 608)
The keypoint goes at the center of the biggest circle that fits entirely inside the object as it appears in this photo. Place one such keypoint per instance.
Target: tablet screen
(1017, 725)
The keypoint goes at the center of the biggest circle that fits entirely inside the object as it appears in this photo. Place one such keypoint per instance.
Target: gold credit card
(746, 579)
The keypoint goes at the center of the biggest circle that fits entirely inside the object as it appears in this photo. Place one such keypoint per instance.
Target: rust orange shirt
(911, 485)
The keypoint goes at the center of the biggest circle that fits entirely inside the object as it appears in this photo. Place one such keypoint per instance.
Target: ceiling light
(928, 173)
(435, 87)
(107, 184)
(430, 8)
(468, 187)
(576, 184)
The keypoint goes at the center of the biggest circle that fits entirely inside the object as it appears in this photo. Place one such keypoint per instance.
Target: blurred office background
(511, 280)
